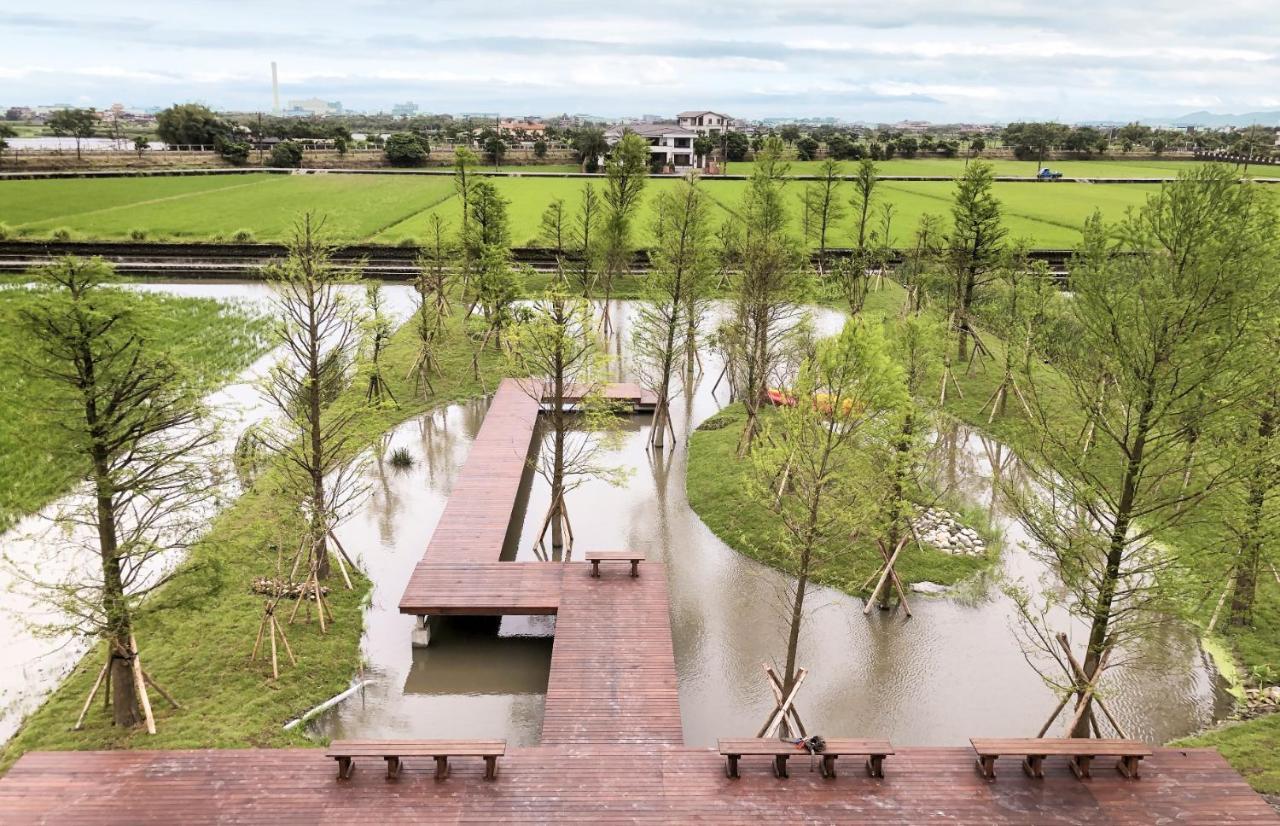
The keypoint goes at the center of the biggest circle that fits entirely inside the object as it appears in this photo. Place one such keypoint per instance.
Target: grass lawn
(200, 652)
(33, 467)
(716, 482)
(389, 208)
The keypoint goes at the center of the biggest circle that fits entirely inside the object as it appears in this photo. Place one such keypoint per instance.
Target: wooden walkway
(606, 784)
(612, 747)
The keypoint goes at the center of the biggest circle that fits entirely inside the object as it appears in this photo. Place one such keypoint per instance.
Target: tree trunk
(1100, 625)
(1260, 480)
(119, 625)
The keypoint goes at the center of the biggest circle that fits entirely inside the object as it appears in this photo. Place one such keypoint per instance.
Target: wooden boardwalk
(612, 748)
(593, 783)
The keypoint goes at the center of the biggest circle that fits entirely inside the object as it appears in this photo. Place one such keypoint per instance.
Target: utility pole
(260, 132)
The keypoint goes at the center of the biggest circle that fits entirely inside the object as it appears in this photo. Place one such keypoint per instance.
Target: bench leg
(345, 768)
(780, 766)
(829, 765)
(491, 767)
(442, 767)
(731, 766)
(595, 568)
(1033, 766)
(393, 767)
(635, 567)
(1128, 766)
(986, 764)
(875, 765)
(1080, 765)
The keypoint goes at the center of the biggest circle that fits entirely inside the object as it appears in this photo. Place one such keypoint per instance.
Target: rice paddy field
(395, 208)
(950, 167)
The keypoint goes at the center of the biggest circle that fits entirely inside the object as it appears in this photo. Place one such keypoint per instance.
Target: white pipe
(333, 701)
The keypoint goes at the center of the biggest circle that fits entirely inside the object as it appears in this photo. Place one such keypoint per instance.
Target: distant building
(311, 107)
(490, 116)
(704, 122)
(404, 110)
(526, 126)
(673, 143)
(19, 113)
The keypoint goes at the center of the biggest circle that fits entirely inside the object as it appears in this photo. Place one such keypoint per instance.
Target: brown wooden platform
(613, 669)
(604, 784)
(483, 588)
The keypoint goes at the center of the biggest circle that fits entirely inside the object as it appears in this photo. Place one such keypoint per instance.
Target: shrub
(137, 234)
(405, 149)
(401, 458)
(5, 232)
(233, 151)
(243, 236)
(806, 148)
(287, 155)
(61, 234)
(407, 242)
(540, 149)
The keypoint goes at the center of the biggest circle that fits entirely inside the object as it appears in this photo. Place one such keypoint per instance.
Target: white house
(673, 143)
(705, 123)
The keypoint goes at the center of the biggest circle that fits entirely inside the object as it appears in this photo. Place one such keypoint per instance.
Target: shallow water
(955, 670)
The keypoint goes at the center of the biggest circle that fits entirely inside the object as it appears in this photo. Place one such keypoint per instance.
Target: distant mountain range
(1213, 119)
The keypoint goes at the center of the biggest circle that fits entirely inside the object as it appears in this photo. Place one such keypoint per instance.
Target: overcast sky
(938, 60)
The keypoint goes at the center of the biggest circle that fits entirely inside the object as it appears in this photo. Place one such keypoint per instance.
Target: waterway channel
(956, 669)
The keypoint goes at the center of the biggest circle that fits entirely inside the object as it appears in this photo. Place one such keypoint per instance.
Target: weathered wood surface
(473, 525)
(613, 669)
(483, 589)
(604, 784)
(1021, 746)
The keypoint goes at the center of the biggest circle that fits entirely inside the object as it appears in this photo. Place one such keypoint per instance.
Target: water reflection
(956, 670)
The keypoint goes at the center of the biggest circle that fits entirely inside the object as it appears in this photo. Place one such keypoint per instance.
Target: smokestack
(275, 90)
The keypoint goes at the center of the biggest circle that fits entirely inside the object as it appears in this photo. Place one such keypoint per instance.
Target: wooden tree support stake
(770, 727)
(140, 684)
(93, 692)
(887, 571)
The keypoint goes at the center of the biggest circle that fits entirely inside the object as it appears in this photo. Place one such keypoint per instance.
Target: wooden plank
(1060, 746)
(590, 783)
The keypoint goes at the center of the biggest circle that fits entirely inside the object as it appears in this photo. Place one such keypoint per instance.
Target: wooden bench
(394, 751)
(781, 751)
(596, 557)
(1079, 751)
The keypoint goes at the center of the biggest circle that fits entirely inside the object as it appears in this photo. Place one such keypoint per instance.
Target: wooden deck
(613, 670)
(612, 746)
(605, 784)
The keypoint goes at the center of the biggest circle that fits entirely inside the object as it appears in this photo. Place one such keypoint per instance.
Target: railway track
(217, 261)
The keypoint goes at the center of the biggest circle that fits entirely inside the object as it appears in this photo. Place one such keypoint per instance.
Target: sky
(935, 60)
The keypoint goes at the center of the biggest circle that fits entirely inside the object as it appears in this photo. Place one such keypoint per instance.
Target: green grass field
(951, 167)
(34, 465)
(391, 208)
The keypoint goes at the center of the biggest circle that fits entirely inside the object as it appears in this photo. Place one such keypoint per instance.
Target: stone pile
(943, 530)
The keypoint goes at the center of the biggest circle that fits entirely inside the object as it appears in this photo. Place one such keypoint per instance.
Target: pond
(955, 670)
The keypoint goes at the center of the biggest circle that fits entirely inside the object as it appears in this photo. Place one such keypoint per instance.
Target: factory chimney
(275, 90)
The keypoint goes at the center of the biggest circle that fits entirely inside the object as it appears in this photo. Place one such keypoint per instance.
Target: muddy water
(32, 664)
(953, 671)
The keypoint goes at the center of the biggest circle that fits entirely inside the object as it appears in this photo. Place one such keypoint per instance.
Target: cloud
(952, 60)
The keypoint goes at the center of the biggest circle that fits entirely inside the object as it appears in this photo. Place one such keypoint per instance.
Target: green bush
(243, 236)
(408, 242)
(61, 234)
(286, 155)
(233, 151)
(137, 234)
(405, 149)
(5, 232)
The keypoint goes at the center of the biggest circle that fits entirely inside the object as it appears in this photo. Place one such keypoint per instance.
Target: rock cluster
(1259, 702)
(943, 530)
